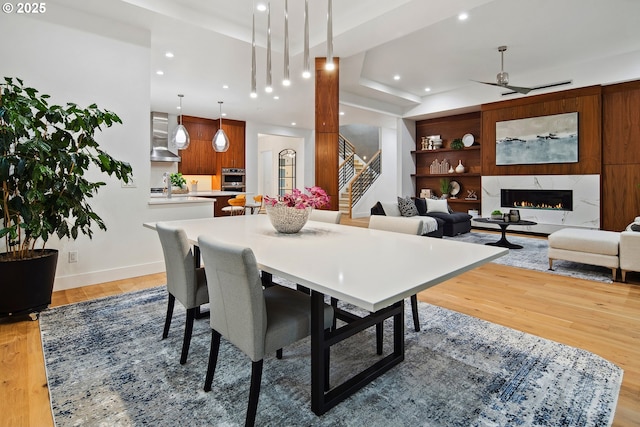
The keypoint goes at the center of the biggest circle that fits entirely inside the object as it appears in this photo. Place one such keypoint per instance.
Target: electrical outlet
(130, 184)
(73, 256)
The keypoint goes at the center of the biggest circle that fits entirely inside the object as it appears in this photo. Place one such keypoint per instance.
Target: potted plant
(445, 187)
(178, 183)
(496, 214)
(457, 144)
(45, 152)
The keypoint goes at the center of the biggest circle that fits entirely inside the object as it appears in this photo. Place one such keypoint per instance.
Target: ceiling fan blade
(522, 90)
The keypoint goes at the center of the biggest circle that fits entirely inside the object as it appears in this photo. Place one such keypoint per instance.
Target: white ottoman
(596, 247)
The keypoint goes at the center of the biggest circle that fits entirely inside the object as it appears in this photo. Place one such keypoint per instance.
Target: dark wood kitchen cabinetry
(200, 158)
(234, 156)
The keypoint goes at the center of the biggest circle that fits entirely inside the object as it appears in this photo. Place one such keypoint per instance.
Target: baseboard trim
(102, 276)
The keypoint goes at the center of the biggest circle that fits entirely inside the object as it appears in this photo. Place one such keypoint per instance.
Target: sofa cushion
(437, 206)
(407, 206)
(584, 240)
(390, 209)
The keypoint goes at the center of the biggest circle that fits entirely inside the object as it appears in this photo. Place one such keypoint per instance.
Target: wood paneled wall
(621, 155)
(327, 128)
(586, 101)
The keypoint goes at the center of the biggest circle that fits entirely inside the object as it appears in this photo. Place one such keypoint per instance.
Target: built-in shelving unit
(450, 128)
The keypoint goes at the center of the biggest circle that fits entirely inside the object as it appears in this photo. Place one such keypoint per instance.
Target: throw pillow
(390, 209)
(635, 227)
(421, 205)
(439, 205)
(407, 207)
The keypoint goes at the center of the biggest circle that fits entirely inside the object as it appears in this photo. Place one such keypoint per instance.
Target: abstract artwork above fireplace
(538, 140)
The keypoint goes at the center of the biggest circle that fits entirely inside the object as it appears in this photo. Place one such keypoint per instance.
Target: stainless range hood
(160, 139)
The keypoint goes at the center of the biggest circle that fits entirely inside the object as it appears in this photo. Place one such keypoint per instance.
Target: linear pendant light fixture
(329, 65)
(286, 81)
(268, 88)
(180, 137)
(220, 139)
(254, 93)
(306, 71)
(306, 66)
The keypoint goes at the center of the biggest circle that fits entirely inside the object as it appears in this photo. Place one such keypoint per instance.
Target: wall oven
(233, 179)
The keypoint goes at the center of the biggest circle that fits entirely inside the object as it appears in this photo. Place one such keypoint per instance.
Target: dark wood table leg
(503, 242)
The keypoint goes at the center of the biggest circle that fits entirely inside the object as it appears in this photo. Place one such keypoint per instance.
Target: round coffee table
(503, 242)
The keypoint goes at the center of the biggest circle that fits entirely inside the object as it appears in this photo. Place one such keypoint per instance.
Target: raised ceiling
(423, 42)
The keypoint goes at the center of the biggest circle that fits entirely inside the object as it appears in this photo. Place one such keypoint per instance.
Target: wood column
(327, 128)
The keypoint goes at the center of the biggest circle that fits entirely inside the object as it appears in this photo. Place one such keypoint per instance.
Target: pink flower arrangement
(316, 198)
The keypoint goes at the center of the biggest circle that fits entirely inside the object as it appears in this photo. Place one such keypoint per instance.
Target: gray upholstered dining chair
(332, 217)
(185, 282)
(400, 225)
(257, 321)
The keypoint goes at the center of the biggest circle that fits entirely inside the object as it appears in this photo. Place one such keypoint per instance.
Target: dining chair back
(400, 225)
(257, 321)
(332, 217)
(185, 282)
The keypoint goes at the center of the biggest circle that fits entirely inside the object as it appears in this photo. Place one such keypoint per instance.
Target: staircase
(345, 193)
(354, 176)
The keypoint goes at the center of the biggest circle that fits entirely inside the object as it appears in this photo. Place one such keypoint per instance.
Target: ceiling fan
(502, 78)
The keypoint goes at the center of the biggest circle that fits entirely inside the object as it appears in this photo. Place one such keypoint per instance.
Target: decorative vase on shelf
(460, 167)
(287, 219)
(451, 169)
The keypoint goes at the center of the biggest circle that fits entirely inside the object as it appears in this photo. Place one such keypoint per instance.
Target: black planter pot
(27, 284)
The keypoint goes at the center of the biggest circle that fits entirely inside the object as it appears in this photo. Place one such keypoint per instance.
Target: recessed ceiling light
(427, 89)
(276, 97)
(225, 86)
(396, 77)
(224, 114)
(169, 54)
(293, 123)
(261, 7)
(342, 113)
(160, 72)
(463, 16)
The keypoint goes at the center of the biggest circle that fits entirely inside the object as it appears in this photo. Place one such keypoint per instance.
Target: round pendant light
(180, 137)
(220, 140)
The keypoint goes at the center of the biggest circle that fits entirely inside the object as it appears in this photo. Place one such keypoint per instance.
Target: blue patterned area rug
(107, 366)
(533, 256)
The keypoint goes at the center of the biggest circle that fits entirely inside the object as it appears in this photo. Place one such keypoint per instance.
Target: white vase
(460, 167)
(286, 219)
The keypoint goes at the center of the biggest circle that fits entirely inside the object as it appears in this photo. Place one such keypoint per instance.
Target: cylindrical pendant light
(306, 70)
(286, 81)
(269, 87)
(254, 93)
(329, 65)
(220, 140)
(180, 137)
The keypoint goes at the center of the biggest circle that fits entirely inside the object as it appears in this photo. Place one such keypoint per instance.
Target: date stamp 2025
(24, 8)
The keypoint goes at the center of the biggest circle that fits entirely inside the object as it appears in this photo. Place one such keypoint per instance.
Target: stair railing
(346, 171)
(345, 148)
(364, 179)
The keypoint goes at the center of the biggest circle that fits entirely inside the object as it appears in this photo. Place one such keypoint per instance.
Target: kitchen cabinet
(450, 128)
(200, 158)
(234, 157)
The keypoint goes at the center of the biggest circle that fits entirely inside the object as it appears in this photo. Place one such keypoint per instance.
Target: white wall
(73, 65)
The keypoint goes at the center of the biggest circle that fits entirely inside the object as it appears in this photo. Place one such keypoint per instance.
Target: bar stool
(236, 205)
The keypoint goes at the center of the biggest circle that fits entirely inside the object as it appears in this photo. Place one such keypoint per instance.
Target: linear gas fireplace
(561, 200)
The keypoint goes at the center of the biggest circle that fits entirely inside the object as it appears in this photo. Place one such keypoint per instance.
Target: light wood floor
(601, 318)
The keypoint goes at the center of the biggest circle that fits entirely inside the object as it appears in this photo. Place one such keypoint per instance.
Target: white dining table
(371, 269)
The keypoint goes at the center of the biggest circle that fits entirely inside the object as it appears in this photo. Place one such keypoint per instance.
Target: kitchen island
(218, 198)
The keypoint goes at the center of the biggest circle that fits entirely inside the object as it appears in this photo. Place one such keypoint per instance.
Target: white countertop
(191, 197)
(179, 199)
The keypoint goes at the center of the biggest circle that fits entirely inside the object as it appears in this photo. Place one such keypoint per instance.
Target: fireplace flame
(526, 204)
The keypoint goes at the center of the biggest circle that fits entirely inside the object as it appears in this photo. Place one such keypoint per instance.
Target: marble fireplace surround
(586, 200)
